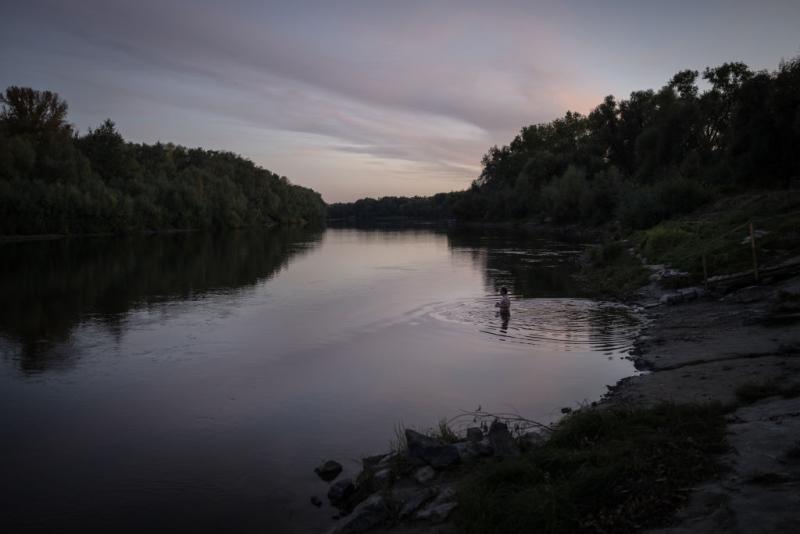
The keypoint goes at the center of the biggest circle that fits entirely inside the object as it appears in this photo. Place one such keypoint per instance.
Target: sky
(368, 98)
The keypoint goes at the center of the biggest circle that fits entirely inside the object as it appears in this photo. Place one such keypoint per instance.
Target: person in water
(505, 302)
(505, 309)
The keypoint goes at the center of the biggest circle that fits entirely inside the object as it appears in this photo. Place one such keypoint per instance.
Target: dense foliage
(55, 181)
(640, 160)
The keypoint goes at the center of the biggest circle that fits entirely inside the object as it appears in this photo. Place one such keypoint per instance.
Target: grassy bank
(604, 470)
(718, 233)
(721, 232)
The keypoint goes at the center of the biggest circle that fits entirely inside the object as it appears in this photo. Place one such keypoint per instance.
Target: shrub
(661, 240)
(612, 470)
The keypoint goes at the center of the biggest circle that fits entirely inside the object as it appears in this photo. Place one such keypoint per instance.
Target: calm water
(194, 381)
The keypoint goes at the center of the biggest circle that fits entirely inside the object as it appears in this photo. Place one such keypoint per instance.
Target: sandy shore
(708, 350)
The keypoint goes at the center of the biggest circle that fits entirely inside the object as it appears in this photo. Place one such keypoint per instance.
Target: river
(192, 382)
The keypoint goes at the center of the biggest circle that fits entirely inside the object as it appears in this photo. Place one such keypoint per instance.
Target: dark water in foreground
(192, 382)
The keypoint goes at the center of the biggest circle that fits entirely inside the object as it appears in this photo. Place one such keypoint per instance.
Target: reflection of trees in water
(537, 268)
(50, 287)
(529, 267)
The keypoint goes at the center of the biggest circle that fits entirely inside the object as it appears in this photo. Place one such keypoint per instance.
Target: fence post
(753, 246)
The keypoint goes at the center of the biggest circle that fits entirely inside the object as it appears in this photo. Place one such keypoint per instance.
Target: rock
(474, 434)
(383, 478)
(406, 501)
(437, 514)
(440, 508)
(423, 475)
(341, 490)
(670, 298)
(434, 452)
(484, 447)
(328, 470)
(386, 461)
(468, 451)
(501, 440)
(682, 295)
(371, 462)
(316, 501)
(367, 515)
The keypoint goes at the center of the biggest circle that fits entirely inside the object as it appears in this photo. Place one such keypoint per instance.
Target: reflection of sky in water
(198, 379)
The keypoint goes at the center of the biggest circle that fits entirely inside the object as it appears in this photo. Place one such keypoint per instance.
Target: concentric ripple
(560, 323)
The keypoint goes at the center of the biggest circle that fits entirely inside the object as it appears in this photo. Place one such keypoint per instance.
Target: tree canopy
(638, 160)
(55, 181)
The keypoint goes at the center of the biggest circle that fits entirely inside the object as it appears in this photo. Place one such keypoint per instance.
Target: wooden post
(753, 246)
(705, 273)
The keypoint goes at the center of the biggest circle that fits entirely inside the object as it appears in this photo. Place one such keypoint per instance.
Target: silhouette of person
(504, 317)
(505, 309)
(505, 302)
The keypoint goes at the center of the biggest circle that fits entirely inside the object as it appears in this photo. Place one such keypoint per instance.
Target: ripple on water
(560, 323)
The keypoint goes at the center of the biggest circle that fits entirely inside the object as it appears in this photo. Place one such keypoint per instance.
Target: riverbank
(712, 428)
(740, 350)
(729, 352)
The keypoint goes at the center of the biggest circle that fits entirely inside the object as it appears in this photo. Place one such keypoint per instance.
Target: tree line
(638, 160)
(55, 181)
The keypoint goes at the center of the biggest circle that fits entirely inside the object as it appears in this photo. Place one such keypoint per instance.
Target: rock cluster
(416, 485)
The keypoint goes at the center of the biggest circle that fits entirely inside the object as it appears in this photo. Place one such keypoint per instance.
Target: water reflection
(560, 324)
(48, 288)
(529, 266)
(205, 394)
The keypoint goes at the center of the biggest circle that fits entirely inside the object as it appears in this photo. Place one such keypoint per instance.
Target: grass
(613, 271)
(751, 393)
(398, 447)
(718, 232)
(444, 432)
(609, 470)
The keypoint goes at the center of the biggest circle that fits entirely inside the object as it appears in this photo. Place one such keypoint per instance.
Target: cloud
(421, 86)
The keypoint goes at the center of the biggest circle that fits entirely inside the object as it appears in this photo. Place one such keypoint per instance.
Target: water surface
(193, 381)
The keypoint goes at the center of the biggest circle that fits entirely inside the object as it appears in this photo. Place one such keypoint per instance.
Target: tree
(27, 111)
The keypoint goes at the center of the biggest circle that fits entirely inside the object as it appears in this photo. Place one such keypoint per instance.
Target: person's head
(503, 291)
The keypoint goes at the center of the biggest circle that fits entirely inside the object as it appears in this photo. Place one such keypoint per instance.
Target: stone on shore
(423, 475)
(470, 451)
(370, 513)
(329, 470)
(501, 440)
(383, 478)
(408, 500)
(474, 434)
(440, 508)
(434, 452)
(341, 490)
(372, 462)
